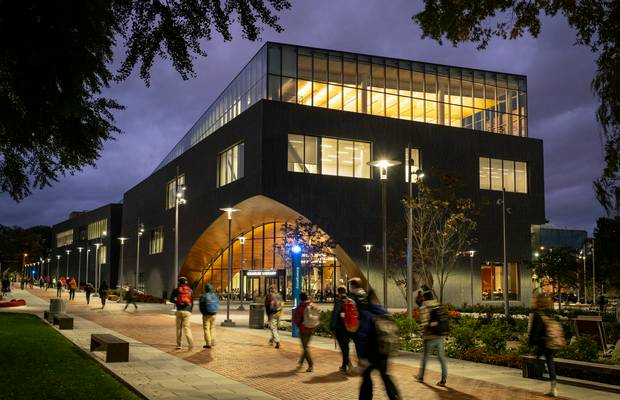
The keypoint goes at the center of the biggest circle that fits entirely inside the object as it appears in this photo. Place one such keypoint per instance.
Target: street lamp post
(48, 266)
(79, 265)
(583, 257)
(368, 247)
(57, 266)
(383, 166)
(505, 211)
(104, 234)
(241, 280)
(140, 233)
(229, 211)
(87, 253)
(593, 276)
(97, 275)
(179, 199)
(471, 276)
(68, 251)
(121, 280)
(414, 174)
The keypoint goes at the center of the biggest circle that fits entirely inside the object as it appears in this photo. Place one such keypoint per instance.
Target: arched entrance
(257, 245)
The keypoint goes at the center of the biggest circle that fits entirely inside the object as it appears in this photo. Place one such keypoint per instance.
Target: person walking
(88, 289)
(434, 322)
(103, 293)
(131, 298)
(342, 304)
(371, 345)
(183, 299)
(72, 288)
(307, 318)
(273, 308)
(539, 327)
(58, 288)
(208, 305)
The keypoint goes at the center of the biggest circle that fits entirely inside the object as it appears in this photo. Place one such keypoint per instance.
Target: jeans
(183, 327)
(550, 363)
(305, 355)
(343, 338)
(58, 292)
(366, 389)
(274, 322)
(208, 323)
(429, 345)
(71, 294)
(87, 297)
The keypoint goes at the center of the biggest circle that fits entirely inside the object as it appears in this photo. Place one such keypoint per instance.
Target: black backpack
(439, 321)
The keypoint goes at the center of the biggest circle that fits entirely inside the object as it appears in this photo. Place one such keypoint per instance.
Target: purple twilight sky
(561, 104)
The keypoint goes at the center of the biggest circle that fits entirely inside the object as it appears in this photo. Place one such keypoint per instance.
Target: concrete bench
(117, 350)
(63, 321)
(534, 368)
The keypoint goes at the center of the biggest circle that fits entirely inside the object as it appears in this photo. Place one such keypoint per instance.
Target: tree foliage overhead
(15, 241)
(55, 60)
(596, 24)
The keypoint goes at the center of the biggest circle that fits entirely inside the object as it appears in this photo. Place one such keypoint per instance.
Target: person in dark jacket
(538, 336)
(58, 288)
(183, 298)
(103, 293)
(340, 331)
(131, 298)
(88, 289)
(273, 308)
(366, 343)
(305, 333)
(429, 307)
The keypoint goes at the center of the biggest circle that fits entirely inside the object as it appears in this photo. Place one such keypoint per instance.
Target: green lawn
(36, 362)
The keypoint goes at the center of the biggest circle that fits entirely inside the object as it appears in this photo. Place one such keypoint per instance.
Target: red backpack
(184, 295)
(349, 315)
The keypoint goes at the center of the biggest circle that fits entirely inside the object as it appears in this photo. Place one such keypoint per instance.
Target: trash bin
(257, 316)
(58, 306)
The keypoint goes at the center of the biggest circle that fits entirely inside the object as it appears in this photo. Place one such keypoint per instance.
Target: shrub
(494, 336)
(409, 332)
(511, 360)
(463, 334)
(583, 348)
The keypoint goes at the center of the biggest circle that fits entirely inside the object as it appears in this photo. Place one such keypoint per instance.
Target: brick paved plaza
(244, 356)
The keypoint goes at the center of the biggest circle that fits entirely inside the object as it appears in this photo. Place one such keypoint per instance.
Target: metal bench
(63, 321)
(117, 350)
(534, 368)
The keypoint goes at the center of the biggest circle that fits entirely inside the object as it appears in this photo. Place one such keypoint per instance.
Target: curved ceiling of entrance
(253, 211)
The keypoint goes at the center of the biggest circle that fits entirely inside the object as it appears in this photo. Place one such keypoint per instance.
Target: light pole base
(241, 308)
(228, 323)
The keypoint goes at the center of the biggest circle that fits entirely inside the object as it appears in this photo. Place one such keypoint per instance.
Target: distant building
(549, 237)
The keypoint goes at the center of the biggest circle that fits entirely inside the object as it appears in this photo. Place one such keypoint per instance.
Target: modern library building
(294, 134)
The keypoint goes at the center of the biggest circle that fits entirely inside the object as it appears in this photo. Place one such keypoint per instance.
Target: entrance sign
(253, 273)
(296, 266)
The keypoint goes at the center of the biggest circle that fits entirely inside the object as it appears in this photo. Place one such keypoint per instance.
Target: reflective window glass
(443, 89)
(417, 111)
(289, 90)
(378, 104)
(430, 112)
(289, 62)
(320, 67)
(455, 91)
(430, 87)
(378, 75)
(391, 79)
(361, 158)
(456, 118)
(295, 153)
(273, 92)
(304, 67)
(404, 107)
(521, 177)
(335, 69)
(363, 75)
(335, 97)
(418, 84)
(404, 82)
(311, 154)
(349, 99)
(496, 174)
(391, 106)
(485, 173)
(304, 92)
(509, 175)
(319, 94)
(274, 60)
(345, 158)
(349, 70)
(329, 156)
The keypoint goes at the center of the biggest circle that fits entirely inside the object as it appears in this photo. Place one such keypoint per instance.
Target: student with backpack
(434, 321)
(344, 323)
(273, 308)
(208, 305)
(546, 334)
(183, 298)
(376, 340)
(307, 318)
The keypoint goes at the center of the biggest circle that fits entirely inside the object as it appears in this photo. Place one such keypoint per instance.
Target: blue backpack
(208, 303)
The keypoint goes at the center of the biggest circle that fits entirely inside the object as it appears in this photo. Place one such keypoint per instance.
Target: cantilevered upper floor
(387, 87)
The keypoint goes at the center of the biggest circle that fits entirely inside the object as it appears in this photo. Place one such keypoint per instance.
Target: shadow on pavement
(278, 374)
(449, 393)
(335, 376)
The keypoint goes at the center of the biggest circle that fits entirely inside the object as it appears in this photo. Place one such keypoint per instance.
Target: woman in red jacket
(305, 332)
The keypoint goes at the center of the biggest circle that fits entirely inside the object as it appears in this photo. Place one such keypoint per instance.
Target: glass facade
(170, 190)
(64, 238)
(156, 240)
(97, 228)
(329, 156)
(230, 165)
(409, 90)
(497, 174)
(493, 282)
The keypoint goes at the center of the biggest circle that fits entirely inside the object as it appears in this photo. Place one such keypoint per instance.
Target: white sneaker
(552, 393)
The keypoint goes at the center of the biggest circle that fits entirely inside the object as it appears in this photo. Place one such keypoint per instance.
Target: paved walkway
(243, 365)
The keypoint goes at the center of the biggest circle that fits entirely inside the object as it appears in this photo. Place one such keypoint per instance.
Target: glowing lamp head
(241, 239)
(296, 249)
(368, 247)
(383, 166)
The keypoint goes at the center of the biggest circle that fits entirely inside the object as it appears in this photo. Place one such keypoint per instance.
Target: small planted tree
(558, 267)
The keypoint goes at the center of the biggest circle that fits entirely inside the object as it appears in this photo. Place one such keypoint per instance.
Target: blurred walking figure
(208, 305)
(58, 288)
(376, 339)
(547, 335)
(131, 298)
(434, 321)
(273, 308)
(88, 289)
(307, 318)
(183, 298)
(72, 287)
(103, 293)
(343, 324)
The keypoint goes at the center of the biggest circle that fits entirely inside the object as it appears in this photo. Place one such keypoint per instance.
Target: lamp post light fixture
(472, 253)
(593, 276)
(383, 166)
(24, 264)
(229, 212)
(57, 266)
(368, 247)
(97, 275)
(122, 279)
(583, 285)
(179, 199)
(415, 174)
(87, 253)
(140, 233)
(68, 251)
(241, 280)
(79, 265)
(104, 235)
(505, 211)
(48, 265)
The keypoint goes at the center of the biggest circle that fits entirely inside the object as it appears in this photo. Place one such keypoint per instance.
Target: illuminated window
(492, 282)
(103, 254)
(64, 238)
(329, 156)
(415, 156)
(496, 174)
(156, 240)
(230, 164)
(96, 229)
(171, 189)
